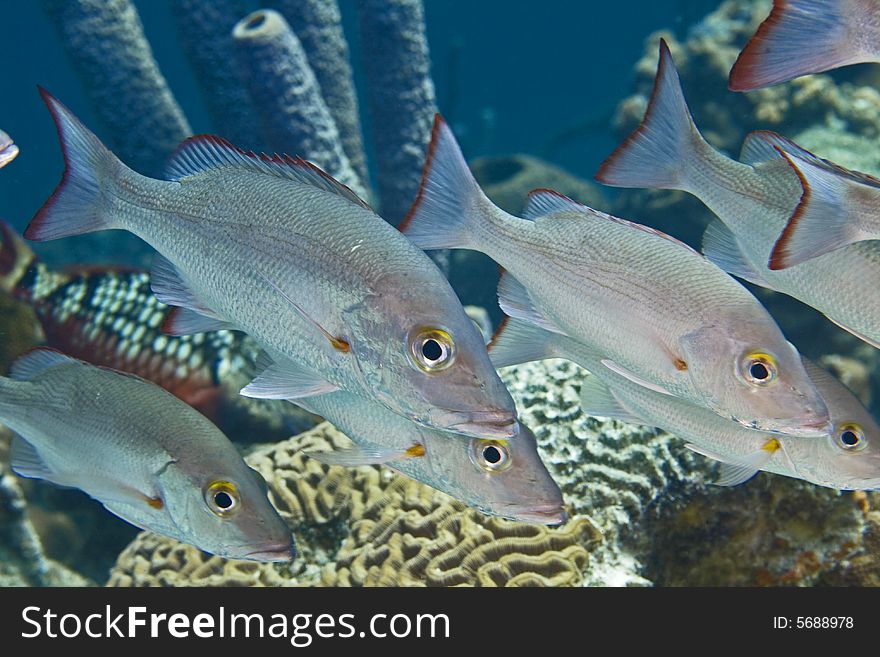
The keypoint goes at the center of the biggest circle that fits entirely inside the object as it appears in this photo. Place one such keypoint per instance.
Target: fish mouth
(539, 515)
(495, 425)
(277, 552)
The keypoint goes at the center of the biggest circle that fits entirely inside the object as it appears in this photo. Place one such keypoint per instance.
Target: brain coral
(368, 526)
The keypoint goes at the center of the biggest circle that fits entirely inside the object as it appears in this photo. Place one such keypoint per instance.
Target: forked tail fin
(658, 153)
(800, 37)
(76, 205)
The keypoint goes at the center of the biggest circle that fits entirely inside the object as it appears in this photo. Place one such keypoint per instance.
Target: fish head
(426, 360)
(848, 458)
(224, 509)
(498, 477)
(747, 371)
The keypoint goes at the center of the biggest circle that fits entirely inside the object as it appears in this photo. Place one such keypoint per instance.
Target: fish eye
(758, 369)
(851, 437)
(432, 349)
(490, 455)
(222, 498)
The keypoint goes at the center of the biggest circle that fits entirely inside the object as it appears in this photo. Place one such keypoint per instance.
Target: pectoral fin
(287, 380)
(356, 456)
(635, 378)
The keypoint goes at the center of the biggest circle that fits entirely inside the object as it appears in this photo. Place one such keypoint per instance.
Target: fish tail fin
(449, 201)
(659, 152)
(15, 260)
(799, 38)
(76, 205)
(827, 216)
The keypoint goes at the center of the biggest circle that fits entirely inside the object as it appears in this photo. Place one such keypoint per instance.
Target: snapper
(276, 248)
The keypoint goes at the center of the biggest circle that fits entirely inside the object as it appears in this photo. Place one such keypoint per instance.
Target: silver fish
(800, 37)
(838, 207)
(848, 458)
(657, 311)
(8, 150)
(145, 455)
(496, 477)
(753, 200)
(273, 246)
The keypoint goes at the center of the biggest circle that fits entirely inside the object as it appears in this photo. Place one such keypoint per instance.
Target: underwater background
(538, 95)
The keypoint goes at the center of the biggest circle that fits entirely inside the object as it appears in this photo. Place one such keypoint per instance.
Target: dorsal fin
(541, 202)
(37, 361)
(764, 145)
(206, 152)
(546, 201)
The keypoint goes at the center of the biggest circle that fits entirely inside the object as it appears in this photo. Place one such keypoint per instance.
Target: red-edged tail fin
(800, 37)
(836, 208)
(15, 258)
(75, 206)
(449, 197)
(658, 152)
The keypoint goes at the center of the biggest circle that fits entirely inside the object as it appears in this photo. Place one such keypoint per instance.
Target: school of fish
(353, 322)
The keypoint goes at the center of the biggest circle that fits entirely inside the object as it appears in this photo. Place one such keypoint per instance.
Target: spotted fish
(110, 317)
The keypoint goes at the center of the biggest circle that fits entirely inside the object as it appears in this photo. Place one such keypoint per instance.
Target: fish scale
(272, 246)
(754, 199)
(654, 309)
(110, 317)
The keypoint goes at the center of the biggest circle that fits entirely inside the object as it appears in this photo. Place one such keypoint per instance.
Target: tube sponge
(317, 24)
(286, 95)
(401, 97)
(105, 41)
(205, 29)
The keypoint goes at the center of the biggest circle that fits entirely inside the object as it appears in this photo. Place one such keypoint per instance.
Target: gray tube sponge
(105, 41)
(401, 93)
(318, 25)
(205, 29)
(286, 95)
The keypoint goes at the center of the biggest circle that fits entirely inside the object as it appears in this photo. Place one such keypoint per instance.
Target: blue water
(525, 72)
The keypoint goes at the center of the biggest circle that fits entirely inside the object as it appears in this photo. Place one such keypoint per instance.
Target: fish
(800, 37)
(752, 199)
(659, 312)
(838, 207)
(148, 457)
(501, 478)
(274, 247)
(848, 458)
(8, 150)
(109, 316)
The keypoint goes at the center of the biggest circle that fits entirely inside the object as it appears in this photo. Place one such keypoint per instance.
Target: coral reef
(318, 24)
(105, 41)
(286, 95)
(205, 30)
(401, 97)
(366, 527)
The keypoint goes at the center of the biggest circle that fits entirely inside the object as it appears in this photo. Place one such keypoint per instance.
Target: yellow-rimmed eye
(758, 369)
(222, 498)
(432, 349)
(490, 455)
(851, 437)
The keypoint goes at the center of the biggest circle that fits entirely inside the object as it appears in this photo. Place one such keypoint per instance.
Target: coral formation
(286, 95)
(205, 30)
(318, 24)
(105, 41)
